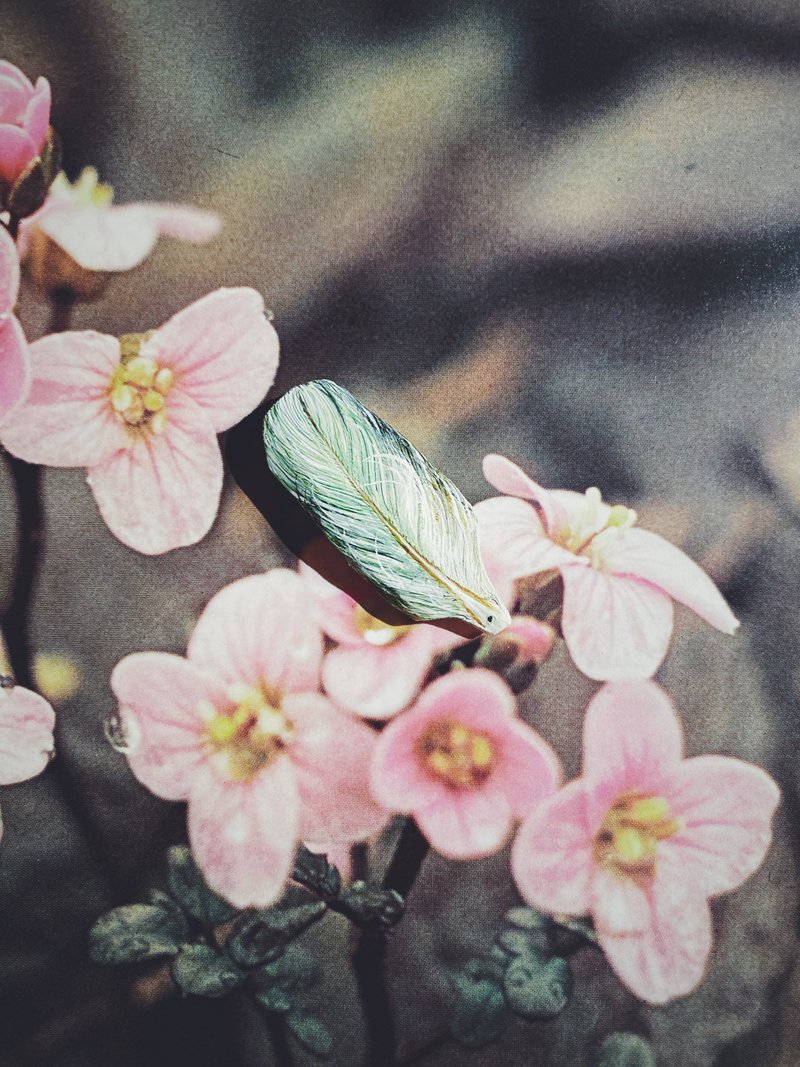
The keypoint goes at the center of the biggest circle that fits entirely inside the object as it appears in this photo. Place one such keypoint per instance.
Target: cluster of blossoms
(295, 715)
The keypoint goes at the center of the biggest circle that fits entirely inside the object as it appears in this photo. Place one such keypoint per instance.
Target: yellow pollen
(244, 739)
(139, 386)
(628, 839)
(377, 632)
(459, 756)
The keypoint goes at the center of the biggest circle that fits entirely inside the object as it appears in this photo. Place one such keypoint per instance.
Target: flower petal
(244, 834)
(224, 353)
(335, 610)
(632, 738)
(668, 959)
(398, 778)
(15, 76)
(726, 808)
(552, 859)
(646, 555)
(162, 492)
(9, 272)
(183, 221)
(26, 734)
(377, 682)
(512, 480)
(108, 238)
(67, 420)
(619, 904)
(17, 149)
(36, 120)
(526, 767)
(159, 695)
(15, 366)
(331, 755)
(513, 543)
(615, 627)
(259, 630)
(467, 823)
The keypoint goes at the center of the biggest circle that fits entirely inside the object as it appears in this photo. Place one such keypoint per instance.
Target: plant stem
(370, 954)
(27, 478)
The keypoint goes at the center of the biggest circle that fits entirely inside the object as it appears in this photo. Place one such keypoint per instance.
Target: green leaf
(371, 908)
(312, 869)
(516, 942)
(402, 525)
(312, 1034)
(188, 886)
(137, 932)
(295, 966)
(537, 988)
(527, 918)
(626, 1050)
(480, 1015)
(204, 972)
(261, 936)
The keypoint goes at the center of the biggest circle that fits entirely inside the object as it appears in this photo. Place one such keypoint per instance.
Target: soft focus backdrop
(567, 232)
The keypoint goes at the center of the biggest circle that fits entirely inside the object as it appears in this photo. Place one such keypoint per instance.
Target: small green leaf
(296, 966)
(312, 1034)
(482, 968)
(537, 988)
(372, 908)
(204, 972)
(274, 998)
(527, 918)
(480, 1015)
(188, 886)
(137, 932)
(516, 942)
(626, 1050)
(261, 936)
(312, 869)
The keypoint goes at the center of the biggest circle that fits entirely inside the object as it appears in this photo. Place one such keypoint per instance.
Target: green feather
(400, 523)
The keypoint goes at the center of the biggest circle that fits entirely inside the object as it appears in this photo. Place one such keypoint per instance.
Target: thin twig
(370, 954)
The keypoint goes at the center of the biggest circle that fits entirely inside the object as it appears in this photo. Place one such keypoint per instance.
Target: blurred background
(567, 232)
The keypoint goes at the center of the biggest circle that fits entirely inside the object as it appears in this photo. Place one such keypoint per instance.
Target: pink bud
(24, 121)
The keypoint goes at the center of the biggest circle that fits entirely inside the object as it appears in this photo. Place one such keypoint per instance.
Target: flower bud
(27, 146)
(516, 652)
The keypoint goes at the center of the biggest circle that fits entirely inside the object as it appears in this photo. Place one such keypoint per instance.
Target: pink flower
(26, 735)
(644, 838)
(463, 765)
(24, 121)
(239, 730)
(619, 581)
(142, 413)
(15, 371)
(377, 669)
(101, 236)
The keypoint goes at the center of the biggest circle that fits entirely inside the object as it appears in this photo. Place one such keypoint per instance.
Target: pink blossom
(377, 669)
(24, 120)
(98, 235)
(619, 580)
(26, 735)
(644, 838)
(462, 763)
(239, 729)
(15, 371)
(142, 413)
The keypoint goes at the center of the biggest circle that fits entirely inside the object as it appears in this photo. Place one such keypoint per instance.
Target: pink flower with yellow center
(24, 121)
(643, 838)
(377, 669)
(619, 581)
(239, 729)
(15, 371)
(142, 413)
(462, 763)
(80, 221)
(26, 735)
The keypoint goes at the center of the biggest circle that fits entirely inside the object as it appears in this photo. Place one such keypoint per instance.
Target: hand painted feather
(401, 524)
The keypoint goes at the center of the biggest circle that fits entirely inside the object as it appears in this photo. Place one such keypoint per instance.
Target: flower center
(244, 739)
(628, 839)
(590, 530)
(139, 387)
(375, 631)
(456, 754)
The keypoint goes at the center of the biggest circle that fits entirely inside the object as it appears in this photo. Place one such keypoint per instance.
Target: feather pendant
(400, 523)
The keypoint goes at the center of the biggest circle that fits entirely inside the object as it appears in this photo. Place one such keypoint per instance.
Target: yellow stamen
(628, 839)
(139, 386)
(243, 740)
(376, 631)
(458, 755)
(163, 380)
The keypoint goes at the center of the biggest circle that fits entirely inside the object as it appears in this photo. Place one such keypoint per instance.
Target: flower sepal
(28, 193)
